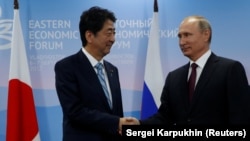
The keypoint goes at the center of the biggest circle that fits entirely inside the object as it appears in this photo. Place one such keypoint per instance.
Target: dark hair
(93, 20)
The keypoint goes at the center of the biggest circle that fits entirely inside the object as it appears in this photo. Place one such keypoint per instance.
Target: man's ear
(88, 36)
(207, 34)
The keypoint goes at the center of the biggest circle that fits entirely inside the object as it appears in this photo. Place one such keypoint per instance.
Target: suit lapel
(184, 85)
(179, 87)
(204, 77)
(110, 74)
(90, 75)
(87, 69)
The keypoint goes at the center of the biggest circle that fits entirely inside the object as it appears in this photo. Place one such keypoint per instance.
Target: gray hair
(203, 24)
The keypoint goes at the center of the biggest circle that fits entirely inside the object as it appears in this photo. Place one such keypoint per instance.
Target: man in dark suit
(220, 96)
(88, 113)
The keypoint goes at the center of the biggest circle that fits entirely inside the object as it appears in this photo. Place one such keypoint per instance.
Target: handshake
(127, 121)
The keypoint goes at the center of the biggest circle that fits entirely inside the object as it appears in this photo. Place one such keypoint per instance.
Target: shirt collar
(92, 60)
(203, 59)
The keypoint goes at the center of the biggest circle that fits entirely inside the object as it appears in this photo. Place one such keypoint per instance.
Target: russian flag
(153, 79)
(22, 122)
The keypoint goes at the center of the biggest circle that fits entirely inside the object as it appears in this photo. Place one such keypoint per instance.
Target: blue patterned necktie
(101, 77)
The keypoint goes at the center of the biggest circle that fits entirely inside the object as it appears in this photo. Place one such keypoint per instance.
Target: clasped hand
(127, 121)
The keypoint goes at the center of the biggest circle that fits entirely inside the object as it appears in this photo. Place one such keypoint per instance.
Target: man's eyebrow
(111, 28)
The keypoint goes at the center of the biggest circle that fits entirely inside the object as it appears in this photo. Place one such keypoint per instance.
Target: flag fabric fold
(22, 122)
(153, 77)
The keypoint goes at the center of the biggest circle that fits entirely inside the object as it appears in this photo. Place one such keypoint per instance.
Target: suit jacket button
(189, 120)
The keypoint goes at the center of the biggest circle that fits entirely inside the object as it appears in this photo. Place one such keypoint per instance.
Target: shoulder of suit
(68, 59)
(226, 60)
(181, 69)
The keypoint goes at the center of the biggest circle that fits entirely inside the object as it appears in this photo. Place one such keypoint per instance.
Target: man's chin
(186, 54)
(106, 52)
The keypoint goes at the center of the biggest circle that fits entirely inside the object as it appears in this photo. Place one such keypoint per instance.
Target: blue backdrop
(50, 30)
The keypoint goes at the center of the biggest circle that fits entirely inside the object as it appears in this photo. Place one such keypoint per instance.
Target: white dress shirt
(93, 62)
(201, 63)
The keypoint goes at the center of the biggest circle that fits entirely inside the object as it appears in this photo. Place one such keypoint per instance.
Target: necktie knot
(194, 66)
(99, 66)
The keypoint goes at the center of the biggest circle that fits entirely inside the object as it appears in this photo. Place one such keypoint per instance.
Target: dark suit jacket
(86, 113)
(221, 96)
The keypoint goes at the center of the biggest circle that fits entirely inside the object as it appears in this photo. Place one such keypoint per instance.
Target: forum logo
(5, 32)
